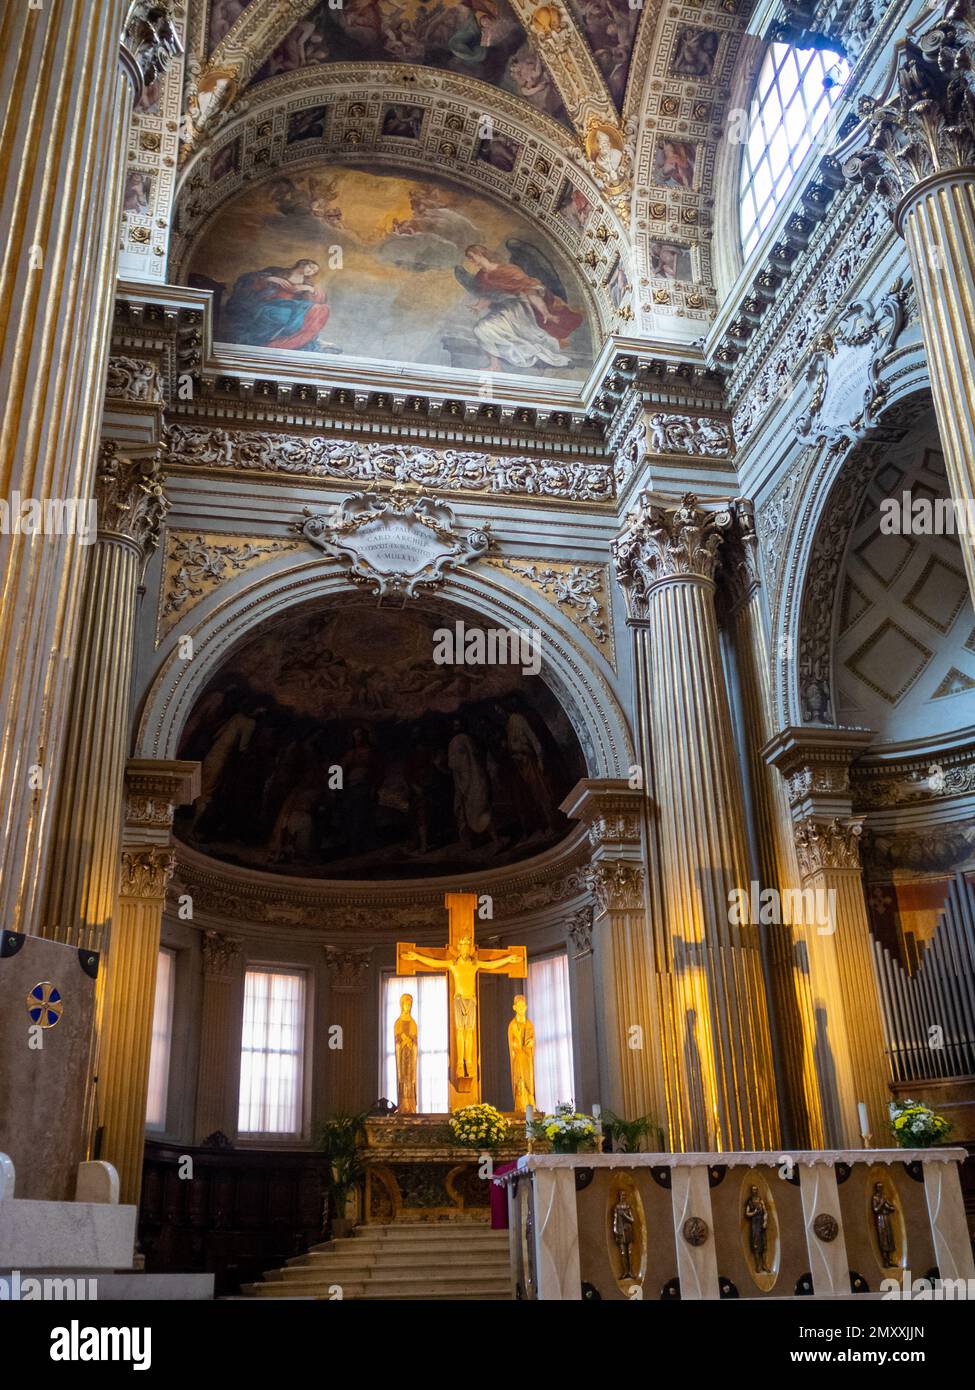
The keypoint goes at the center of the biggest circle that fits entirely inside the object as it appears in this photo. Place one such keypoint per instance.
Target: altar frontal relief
(333, 744)
(376, 264)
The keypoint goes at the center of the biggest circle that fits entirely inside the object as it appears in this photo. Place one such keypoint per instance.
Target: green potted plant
(628, 1135)
(342, 1136)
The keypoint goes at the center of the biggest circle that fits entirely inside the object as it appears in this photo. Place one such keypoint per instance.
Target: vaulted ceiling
(601, 119)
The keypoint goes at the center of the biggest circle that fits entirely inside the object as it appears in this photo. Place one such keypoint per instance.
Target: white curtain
(272, 1053)
(547, 995)
(433, 1060)
(162, 1041)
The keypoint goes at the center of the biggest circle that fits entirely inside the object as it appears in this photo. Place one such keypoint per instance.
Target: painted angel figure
(525, 320)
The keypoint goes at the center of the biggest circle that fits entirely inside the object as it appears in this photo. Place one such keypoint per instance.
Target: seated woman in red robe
(525, 323)
(276, 307)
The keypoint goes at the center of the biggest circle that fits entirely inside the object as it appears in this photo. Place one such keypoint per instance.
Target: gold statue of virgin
(405, 1040)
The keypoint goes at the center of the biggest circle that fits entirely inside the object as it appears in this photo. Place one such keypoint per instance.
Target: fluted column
(787, 952)
(920, 158)
(849, 1053)
(153, 790)
(85, 858)
(631, 1080)
(218, 1077)
(722, 1091)
(64, 116)
(350, 1072)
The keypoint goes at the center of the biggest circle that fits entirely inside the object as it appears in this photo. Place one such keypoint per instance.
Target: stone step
(398, 1262)
(433, 1247)
(425, 1286)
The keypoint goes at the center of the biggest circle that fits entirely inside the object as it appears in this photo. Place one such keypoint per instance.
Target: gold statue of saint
(521, 1050)
(405, 1039)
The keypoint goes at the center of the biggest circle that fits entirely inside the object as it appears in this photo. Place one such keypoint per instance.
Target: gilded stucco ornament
(397, 543)
(845, 370)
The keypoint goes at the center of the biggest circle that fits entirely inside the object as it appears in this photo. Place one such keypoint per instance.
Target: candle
(529, 1114)
(864, 1122)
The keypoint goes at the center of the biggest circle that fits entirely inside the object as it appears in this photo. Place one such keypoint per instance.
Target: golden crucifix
(463, 962)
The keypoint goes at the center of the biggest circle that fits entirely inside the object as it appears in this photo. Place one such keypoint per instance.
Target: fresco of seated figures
(389, 267)
(334, 744)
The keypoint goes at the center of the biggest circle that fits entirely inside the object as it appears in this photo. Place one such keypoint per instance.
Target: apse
(389, 266)
(334, 744)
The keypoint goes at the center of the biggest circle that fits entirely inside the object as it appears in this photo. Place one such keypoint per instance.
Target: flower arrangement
(566, 1129)
(479, 1127)
(916, 1126)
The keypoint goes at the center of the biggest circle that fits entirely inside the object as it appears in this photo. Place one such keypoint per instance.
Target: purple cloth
(499, 1198)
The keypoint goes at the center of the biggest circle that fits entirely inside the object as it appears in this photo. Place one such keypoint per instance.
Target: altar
(416, 1172)
(415, 1169)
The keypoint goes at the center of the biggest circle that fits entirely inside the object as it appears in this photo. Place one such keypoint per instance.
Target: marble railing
(833, 1223)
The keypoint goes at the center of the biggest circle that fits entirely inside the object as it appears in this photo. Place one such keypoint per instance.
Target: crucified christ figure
(462, 965)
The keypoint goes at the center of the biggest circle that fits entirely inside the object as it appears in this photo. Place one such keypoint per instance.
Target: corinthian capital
(616, 885)
(661, 543)
(926, 125)
(145, 872)
(833, 844)
(130, 498)
(151, 37)
(220, 955)
(348, 968)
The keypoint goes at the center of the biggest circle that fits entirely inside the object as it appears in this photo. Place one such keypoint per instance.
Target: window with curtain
(272, 1053)
(162, 1041)
(433, 1047)
(795, 91)
(547, 995)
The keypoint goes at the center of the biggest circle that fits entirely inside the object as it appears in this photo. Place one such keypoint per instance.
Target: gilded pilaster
(64, 118)
(84, 866)
(720, 1078)
(849, 1048)
(153, 791)
(785, 939)
(920, 158)
(624, 968)
(218, 1078)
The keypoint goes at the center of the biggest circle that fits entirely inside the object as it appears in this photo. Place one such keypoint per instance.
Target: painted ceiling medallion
(396, 542)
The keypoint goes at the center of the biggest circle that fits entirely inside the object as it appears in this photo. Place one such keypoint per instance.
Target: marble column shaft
(720, 1046)
(65, 111)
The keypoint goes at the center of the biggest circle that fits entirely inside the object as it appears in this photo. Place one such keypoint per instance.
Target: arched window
(795, 90)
